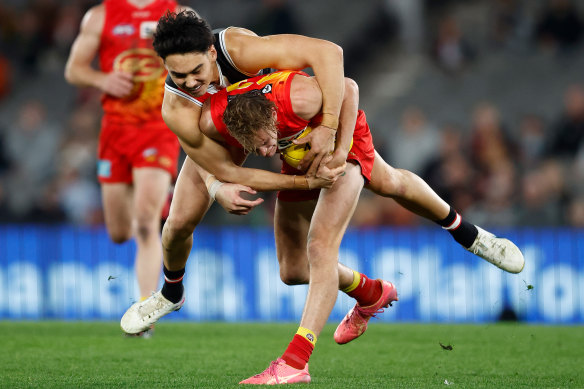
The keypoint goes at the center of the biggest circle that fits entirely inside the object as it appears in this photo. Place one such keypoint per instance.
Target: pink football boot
(354, 323)
(279, 373)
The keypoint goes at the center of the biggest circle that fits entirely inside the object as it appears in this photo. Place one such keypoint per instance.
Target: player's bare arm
(347, 122)
(296, 52)
(229, 196)
(79, 70)
(182, 117)
(306, 98)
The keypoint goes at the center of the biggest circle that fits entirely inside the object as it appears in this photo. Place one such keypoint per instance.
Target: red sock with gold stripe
(300, 348)
(363, 289)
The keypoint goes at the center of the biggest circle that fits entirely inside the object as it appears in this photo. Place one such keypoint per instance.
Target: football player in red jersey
(264, 114)
(137, 156)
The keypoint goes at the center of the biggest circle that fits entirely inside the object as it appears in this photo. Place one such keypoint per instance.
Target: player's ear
(274, 114)
(212, 52)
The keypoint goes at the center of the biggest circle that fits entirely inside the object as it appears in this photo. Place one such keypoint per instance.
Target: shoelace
(496, 243)
(158, 305)
(271, 370)
(143, 303)
(365, 312)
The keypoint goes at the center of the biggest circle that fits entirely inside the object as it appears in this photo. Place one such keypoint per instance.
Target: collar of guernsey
(278, 92)
(219, 103)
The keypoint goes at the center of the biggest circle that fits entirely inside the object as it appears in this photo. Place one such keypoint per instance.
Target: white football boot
(500, 252)
(142, 315)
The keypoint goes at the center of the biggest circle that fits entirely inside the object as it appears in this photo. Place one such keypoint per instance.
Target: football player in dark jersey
(199, 63)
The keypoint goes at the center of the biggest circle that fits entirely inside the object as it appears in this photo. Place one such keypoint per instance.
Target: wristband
(209, 177)
(301, 184)
(330, 120)
(214, 187)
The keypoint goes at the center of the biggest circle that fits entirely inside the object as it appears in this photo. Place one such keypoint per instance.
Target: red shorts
(123, 147)
(362, 152)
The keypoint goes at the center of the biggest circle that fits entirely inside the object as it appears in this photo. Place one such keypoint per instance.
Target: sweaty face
(193, 72)
(266, 143)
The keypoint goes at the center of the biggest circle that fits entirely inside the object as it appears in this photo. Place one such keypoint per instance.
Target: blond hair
(246, 114)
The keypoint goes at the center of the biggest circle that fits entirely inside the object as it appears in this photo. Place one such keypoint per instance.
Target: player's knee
(176, 229)
(119, 228)
(119, 235)
(293, 276)
(145, 231)
(319, 249)
(401, 179)
(393, 184)
(147, 224)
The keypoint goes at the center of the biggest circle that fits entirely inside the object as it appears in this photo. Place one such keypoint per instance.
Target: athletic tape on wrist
(210, 177)
(214, 187)
(303, 184)
(329, 120)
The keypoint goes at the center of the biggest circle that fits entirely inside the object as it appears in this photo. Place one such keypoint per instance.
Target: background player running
(137, 156)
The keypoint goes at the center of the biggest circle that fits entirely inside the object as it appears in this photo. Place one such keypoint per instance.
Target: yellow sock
(355, 283)
(307, 334)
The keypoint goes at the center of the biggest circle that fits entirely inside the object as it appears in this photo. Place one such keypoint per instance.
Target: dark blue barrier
(232, 275)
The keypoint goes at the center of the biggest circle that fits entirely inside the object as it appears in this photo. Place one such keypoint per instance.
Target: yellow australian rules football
(293, 154)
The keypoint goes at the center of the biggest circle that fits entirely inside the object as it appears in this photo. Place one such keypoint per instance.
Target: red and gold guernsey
(126, 44)
(276, 88)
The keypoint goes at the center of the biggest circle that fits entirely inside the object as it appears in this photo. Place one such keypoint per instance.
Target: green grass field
(219, 355)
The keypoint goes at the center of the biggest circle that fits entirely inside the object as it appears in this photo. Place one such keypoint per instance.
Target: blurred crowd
(47, 160)
(529, 173)
(526, 173)
(532, 175)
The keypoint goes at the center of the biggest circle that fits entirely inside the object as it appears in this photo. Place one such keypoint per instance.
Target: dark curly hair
(247, 113)
(181, 33)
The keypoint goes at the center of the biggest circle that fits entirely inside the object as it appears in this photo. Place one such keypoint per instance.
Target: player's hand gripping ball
(294, 153)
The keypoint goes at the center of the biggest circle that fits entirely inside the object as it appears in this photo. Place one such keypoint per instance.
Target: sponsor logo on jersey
(147, 29)
(165, 161)
(104, 168)
(150, 154)
(143, 63)
(123, 29)
(267, 89)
